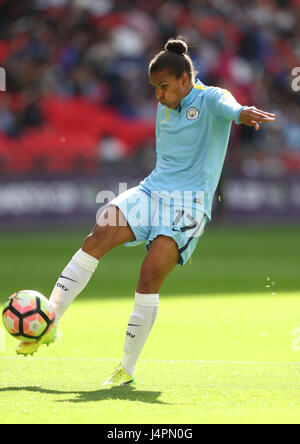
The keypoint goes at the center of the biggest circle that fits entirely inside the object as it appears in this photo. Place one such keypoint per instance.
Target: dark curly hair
(175, 58)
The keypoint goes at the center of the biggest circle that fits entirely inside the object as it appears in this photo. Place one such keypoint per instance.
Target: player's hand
(251, 116)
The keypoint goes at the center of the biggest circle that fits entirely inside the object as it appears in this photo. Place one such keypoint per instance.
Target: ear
(185, 78)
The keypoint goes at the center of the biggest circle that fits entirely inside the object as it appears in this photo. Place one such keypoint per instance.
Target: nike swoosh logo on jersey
(134, 325)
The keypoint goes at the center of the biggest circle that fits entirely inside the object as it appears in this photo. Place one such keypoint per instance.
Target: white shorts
(149, 217)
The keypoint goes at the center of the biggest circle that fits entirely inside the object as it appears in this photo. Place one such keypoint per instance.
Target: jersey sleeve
(157, 127)
(221, 103)
(158, 120)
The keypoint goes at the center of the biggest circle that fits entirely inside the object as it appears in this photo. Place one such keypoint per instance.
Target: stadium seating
(70, 138)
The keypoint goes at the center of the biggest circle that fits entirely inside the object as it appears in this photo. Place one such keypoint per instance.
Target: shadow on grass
(117, 393)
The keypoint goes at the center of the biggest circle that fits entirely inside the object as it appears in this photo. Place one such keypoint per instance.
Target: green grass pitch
(224, 348)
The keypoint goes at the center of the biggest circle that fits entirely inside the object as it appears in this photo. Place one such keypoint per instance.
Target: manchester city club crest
(192, 113)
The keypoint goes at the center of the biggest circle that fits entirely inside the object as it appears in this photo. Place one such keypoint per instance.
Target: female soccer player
(169, 209)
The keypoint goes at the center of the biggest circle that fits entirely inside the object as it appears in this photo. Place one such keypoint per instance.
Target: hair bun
(176, 45)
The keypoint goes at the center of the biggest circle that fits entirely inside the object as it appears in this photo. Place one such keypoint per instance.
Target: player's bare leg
(110, 231)
(161, 259)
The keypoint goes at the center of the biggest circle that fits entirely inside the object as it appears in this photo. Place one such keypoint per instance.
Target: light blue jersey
(191, 143)
(175, 200)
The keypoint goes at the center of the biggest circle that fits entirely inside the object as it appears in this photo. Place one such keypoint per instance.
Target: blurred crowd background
(77, 92)
(77, 87)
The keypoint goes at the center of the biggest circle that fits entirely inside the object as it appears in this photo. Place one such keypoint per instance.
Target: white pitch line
(167, 361)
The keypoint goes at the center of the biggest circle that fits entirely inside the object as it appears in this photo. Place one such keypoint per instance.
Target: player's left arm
(222, 104)
(251, 116)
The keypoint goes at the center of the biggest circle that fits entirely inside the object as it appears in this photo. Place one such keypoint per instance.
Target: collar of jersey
(190, 97)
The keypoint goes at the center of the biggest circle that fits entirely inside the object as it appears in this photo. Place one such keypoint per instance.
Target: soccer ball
(27, 315)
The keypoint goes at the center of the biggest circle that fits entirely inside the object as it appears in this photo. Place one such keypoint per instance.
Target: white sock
(140, 324)
(72, 281)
